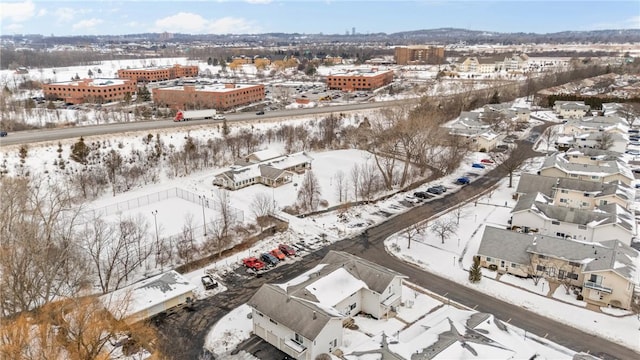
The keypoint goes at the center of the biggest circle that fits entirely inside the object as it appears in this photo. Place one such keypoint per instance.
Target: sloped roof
(515, 247)
(603, 169)
(264, 155)
(530, 183)
(269, 172)
(303, 297)
(293, 312)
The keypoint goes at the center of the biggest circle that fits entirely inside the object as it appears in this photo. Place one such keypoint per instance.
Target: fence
(236, 214)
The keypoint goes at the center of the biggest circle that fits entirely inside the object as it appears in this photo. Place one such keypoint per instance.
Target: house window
(563, 200)
(489, 259)
(573, 276)
(540, 268)
(555, 222)
(595, 177)
(541, 257)
(501, 263)
(561, 274)
(582, 227)
(574, 264)
(564, 191)
(597, 279)
(298, 338)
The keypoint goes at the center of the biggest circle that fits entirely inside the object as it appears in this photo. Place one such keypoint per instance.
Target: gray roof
(515, 247)
(602, 215)
(294, 313)
(300, 303)
(598, 154)
(605, 167)
(531, 183)
(505, 244)
(269, 172)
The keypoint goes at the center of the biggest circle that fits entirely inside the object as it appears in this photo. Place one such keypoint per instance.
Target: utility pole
(204, 220)
(155, 220)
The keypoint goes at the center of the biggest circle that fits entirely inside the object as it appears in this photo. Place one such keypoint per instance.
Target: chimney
(315, 316)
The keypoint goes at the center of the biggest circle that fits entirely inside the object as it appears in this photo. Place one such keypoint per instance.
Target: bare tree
(567, 274)
(355, 181)
(186, 246)
(309, 193)
(116, 250)
(444, 228)
(225, 220)
(113, 163)
(369, 181)
(414, 230)
(262, 205)
(536, 269)
(550, 135)
(513, 160)
(341, 186)
(40, 259)
(605, 141)
(459, 213)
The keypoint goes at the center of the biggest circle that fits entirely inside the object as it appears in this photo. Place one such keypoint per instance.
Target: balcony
(599, 287)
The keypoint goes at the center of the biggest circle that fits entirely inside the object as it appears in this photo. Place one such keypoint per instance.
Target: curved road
(41, 135)
(182, 333)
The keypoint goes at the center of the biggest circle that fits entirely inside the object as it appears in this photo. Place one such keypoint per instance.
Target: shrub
(579, 297)
(493, 267)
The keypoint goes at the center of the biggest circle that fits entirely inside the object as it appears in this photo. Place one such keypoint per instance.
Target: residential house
(304, 316)
(571, 109)
(270, 171)
(478, 133)
(606, 271)
(481, 64)
(575, 193)
(149, 297)
(535, 212)
(560, 165)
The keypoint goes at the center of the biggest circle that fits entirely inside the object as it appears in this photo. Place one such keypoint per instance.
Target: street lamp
(155, 220)
(204, 220)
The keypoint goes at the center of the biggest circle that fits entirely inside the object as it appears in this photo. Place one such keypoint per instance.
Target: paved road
(40, 135)
(182, 333)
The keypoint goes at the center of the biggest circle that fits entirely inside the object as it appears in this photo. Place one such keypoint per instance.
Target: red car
(287, 250)
(253, 263)
(278, 254)
(486, 161)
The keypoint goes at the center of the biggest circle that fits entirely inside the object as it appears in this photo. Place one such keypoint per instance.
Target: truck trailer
(209, 114)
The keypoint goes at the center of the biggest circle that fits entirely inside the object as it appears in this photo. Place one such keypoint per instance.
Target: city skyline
(68, 18)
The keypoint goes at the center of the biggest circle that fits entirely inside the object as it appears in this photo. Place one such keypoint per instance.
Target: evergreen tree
(80, 152)
(475, 273)
(225, 127)
(23, 153)
(144, 94)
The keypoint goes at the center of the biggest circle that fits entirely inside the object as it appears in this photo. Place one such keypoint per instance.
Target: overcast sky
(98, 17)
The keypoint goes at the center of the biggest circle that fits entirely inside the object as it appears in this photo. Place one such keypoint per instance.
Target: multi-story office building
(90, 90)
(219, 96)
(158, 73)
(359, 80)
(419, 54)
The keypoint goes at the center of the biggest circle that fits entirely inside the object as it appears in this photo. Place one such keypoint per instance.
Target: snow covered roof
(99, 82)
(210, 87)
(318, 290)
(263, 155)
(148, 293)
(605, 168)
(272, 168)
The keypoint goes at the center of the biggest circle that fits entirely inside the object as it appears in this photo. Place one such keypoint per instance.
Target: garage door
(259, 331)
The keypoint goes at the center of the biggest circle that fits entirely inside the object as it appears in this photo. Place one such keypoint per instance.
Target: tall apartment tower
(419, 54)
(353, 31)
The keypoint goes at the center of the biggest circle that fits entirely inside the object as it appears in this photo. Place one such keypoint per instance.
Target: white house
(263, 168)
(565, 165)
(535, 213)
(304, 316)
(571, 109)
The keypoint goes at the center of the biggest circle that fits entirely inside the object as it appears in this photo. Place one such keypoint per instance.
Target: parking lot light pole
(204, 220)
(155, 220)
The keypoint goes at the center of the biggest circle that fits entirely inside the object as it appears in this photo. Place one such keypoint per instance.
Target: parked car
(633, 152)
(260, 112)
(278, 254)
(3, 133)
(441, 187)
(421, 194)
(435, 190)
(634, 143)
(253, 263)
(486, 161)
(412, 199)
(477, 166)
(208, 282)
(269, 259)
(463, 181)
(287, 250)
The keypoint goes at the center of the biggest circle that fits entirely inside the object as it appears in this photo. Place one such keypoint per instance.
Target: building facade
(419, 54)
(90, 90)
(220, 97)
(359, 81)
(159, 73)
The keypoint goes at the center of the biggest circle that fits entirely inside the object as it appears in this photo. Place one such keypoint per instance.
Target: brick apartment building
(419, 54)
(359, 80)
(158, 73)
(89, 90)
(220, 96)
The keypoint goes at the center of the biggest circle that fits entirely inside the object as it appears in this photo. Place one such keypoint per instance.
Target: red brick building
(158, 73)
(220, 97)
(355, 81)
(419, 54)
(90, 90)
